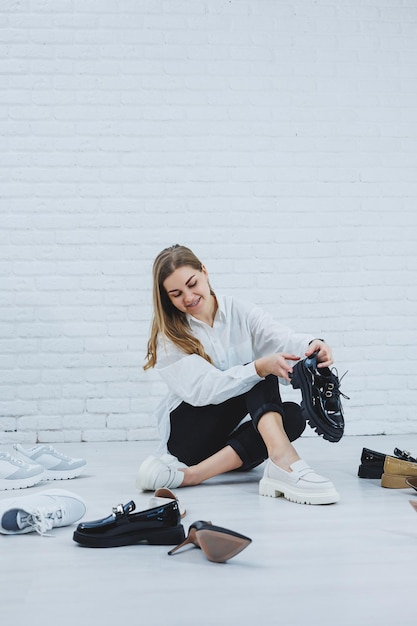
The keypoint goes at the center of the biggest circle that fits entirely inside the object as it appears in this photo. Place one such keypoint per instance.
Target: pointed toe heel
(219, 547)
(218, 544)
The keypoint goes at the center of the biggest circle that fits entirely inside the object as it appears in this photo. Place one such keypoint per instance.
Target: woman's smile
(195, 303)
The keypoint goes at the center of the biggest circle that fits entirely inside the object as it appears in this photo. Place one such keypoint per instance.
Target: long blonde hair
(168, 321)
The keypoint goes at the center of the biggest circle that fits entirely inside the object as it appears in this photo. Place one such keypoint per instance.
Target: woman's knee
(293, 420)
(249, 446)
(264, 398)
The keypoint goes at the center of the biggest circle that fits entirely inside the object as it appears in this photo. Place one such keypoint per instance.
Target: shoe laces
(336, 384)
(331, 387)
(56, 453)
(8, 457)
(42, 520)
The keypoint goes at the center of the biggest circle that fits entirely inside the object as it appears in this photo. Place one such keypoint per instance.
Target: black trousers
(198, 432)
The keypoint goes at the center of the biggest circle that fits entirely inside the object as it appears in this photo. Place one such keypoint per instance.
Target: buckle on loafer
(405, 455)
(121, 509)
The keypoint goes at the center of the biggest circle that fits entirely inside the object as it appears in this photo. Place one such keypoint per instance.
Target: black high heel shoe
(218, 544)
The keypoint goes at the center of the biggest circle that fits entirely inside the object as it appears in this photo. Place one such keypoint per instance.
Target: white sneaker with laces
(16, 474)
(301, 485)
(154, 474)
(57, 466)
(40, 512)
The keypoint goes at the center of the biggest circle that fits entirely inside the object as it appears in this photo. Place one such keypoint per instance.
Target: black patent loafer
(320, 405)
(372, 462)
(160, 526)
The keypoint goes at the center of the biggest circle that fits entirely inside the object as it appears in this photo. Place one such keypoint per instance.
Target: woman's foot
(155, 473)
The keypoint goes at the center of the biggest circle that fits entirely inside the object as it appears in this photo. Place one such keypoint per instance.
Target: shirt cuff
(252, 371)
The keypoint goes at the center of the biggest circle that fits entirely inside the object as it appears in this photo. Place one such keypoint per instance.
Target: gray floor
(352, 563)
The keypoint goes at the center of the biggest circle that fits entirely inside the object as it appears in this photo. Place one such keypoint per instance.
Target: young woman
(221, 359)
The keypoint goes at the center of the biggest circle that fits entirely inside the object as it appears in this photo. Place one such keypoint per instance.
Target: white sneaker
(57, 466)
(154, 474)
(40, 512)
(301, 485)
(16, 474)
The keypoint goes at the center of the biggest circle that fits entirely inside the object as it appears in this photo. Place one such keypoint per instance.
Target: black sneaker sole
(299, 380)
(155, 537)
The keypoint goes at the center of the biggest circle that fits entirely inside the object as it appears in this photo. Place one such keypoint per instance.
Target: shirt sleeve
(270, 336)
(195, 381)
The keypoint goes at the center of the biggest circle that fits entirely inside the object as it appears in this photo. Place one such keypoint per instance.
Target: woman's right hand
(275, 364)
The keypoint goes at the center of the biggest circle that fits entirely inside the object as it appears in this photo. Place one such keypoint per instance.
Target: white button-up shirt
(241, 333)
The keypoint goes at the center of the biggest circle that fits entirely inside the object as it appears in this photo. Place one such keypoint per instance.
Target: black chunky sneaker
(321, 405)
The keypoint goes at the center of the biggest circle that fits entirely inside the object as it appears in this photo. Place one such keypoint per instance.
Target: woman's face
(189, 291)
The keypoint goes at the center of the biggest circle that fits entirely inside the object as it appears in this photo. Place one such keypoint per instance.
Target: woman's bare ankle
(190, 477)
(284, 461)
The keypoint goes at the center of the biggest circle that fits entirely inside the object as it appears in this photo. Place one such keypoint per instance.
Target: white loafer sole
(274, 489)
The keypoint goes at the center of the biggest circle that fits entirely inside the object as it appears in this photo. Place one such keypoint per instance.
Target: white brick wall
(276, 138)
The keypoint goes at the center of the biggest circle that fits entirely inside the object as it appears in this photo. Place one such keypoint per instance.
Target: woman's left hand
(324, 352)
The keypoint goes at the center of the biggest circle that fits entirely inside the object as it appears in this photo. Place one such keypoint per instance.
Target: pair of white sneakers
(42, 511)
(32, 465)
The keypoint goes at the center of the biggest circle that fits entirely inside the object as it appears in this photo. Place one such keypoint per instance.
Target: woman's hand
(276, 364)
(324, 352)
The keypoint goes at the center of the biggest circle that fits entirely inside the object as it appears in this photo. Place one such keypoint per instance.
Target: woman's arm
(271, 337)
(277, 363)
(197, 382)
(324, 352)
(277, 346)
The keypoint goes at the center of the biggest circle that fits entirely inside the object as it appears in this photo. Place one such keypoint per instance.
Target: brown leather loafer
(411, 482)
(396, 472)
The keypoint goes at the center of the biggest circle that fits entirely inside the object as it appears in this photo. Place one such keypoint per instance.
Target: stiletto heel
(191, 538)
(218, 544)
